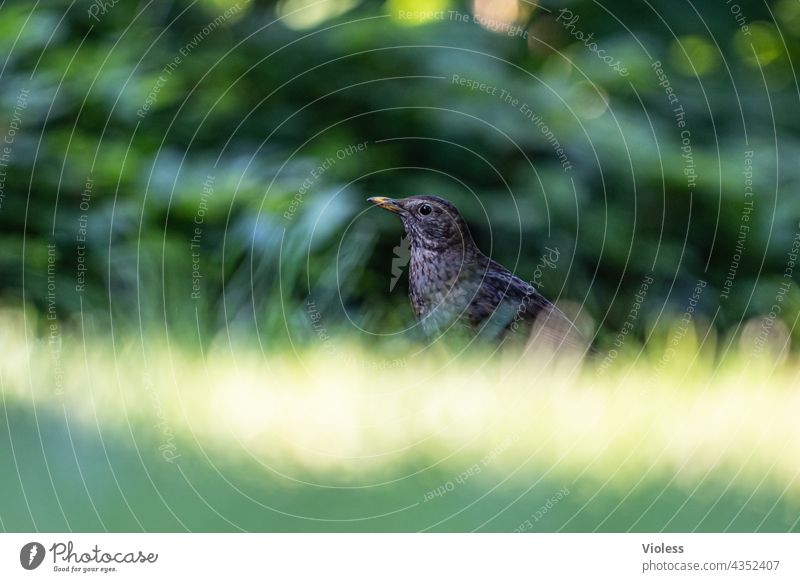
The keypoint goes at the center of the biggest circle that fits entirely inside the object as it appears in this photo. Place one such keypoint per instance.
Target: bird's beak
(385, 203)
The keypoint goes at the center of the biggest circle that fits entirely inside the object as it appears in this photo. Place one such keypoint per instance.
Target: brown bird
(452, 284)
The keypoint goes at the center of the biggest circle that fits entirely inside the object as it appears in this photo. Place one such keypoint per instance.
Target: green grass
(149, 436)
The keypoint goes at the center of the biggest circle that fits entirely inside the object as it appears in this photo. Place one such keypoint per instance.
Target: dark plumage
(451, 282)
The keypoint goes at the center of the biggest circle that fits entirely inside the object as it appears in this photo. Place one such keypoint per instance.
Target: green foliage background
(258, 105)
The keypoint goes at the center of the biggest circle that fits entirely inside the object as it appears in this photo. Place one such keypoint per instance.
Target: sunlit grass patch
(310, 417)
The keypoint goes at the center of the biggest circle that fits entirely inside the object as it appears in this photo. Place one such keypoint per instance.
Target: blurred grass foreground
(144, 436)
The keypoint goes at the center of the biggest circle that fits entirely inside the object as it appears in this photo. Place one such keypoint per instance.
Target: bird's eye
(425, 209)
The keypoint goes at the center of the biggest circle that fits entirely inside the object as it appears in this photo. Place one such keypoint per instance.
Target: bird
(453, 285)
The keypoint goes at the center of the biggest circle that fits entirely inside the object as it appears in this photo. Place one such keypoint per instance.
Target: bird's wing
(507, 305)
(500, 299)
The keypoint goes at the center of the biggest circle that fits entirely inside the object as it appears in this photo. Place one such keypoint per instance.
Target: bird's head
(433, 223)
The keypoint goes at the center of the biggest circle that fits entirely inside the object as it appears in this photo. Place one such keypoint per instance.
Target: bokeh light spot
(693, 55)
(305, 14)
(415, 12)
(788, 13)
(589, 100)
(496, 15)
(761, 46)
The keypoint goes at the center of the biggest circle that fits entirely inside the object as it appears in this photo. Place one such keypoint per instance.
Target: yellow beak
(385, 203)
